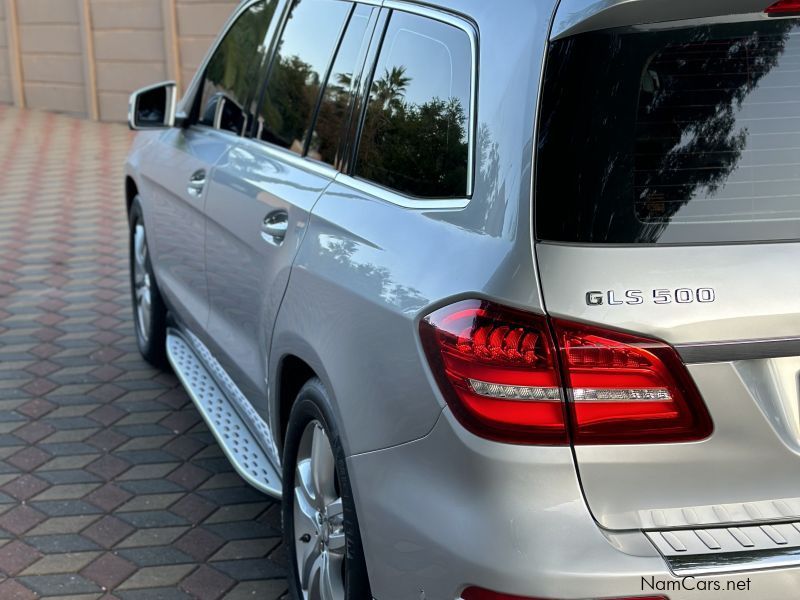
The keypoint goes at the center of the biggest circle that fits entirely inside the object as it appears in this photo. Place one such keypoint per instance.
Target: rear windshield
(672, 135)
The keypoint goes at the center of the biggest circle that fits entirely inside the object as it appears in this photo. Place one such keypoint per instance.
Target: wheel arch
(131, 191)
(293, 373)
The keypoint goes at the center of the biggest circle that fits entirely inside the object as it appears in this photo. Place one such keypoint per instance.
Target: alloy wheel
(320, 541)
(142, 283)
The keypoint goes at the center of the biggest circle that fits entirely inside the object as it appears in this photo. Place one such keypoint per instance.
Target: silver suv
(501, 298)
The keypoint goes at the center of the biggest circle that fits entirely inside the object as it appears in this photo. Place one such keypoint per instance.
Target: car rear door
(670, 212)
(263, 190)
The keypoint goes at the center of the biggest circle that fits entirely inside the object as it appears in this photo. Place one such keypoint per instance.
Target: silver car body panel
(579, 16)
(370, 268)
(439, 508)
(164, 166)
(753, 402)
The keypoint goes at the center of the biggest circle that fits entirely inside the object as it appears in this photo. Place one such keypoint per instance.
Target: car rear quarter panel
(368, 269)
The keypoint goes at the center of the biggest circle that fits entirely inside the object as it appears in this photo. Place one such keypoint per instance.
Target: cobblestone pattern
(111, 486)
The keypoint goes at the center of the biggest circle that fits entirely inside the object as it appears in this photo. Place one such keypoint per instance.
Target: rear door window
(234, 72)
(672, 135)
(416, 134)
(299, 68)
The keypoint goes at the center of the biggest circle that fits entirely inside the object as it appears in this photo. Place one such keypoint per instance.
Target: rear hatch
(668, 206)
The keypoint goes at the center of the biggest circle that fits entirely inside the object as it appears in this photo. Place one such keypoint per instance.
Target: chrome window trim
(393, 197)
(416, 202)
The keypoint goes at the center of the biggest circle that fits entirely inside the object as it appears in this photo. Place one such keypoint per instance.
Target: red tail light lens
(784, 8)
(475, 593)
(628, 390)
(499, 371)
(496, 367)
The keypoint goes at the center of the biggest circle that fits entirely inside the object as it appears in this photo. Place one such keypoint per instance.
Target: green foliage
(419, 149)
(235, 67)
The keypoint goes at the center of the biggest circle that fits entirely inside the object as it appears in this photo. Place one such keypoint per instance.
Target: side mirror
(153, 107)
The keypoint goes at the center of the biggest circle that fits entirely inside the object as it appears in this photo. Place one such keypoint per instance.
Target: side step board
(240, 446)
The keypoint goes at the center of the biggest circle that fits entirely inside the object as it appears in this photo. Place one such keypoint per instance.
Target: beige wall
(86, 56)
(52, 60)
(5, 78)
(198, 24)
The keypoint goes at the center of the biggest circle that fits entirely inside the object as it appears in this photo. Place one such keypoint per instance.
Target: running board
(247, 456)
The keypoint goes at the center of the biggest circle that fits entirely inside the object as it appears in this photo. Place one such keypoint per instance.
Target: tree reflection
(635, 126)
(419, 149)
(291, 97)
(373, 281)
(689, 136)
(235, 69)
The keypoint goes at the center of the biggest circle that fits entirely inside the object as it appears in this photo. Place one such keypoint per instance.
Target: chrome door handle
(197, 183)
(275, 227)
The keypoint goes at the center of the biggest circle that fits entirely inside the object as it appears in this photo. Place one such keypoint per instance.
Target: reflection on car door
(174, 177)
(263, 190)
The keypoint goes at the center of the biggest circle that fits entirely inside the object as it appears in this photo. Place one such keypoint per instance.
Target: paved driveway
(110, 484)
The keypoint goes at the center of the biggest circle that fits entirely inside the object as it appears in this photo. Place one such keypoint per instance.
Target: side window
(335, 103)
(306, 50)
(416, 132)
(233, 74)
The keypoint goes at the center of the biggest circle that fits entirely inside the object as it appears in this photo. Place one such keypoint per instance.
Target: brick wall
(86, 56)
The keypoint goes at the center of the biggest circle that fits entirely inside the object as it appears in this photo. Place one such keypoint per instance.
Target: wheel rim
(318, 518)
(142, 283)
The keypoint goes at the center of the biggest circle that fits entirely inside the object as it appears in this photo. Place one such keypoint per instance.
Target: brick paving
(111, 486)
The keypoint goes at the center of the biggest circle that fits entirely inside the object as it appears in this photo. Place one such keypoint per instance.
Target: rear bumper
(452, 510)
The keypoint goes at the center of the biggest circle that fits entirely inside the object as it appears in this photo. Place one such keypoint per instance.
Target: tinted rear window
(683, 135)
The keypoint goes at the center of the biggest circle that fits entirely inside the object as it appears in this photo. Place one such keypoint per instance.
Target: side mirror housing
(154, 107)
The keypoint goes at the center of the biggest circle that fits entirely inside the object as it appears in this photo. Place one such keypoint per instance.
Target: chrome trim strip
(706, 352)
(393, 197)
(730, 549)
(696, 565)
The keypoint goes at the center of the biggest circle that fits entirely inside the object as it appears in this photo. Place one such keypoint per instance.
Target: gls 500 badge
(636, 297)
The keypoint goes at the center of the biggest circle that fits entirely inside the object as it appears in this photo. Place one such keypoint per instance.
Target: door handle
(275, 227)
(197, 183)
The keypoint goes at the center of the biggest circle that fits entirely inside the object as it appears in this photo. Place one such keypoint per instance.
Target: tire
(149, 309)
(327, 543)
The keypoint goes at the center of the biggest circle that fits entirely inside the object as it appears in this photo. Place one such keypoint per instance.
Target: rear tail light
(497, 367)
(628, 390)
(784, 8)
(501, 373)
(475, 593)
